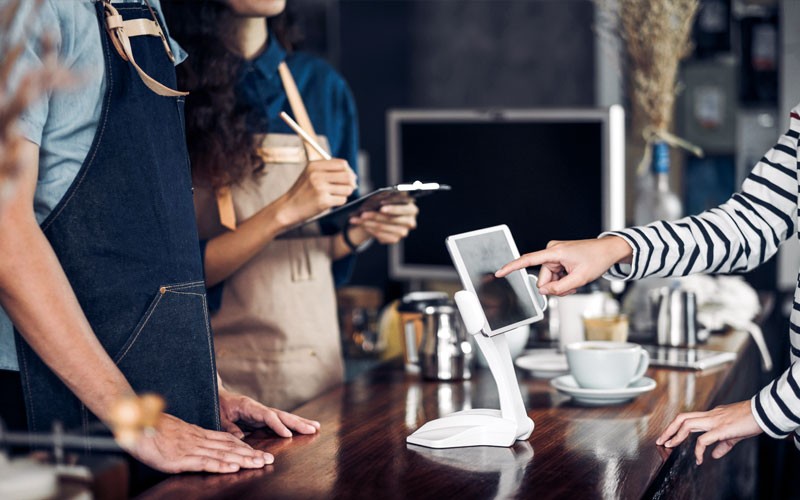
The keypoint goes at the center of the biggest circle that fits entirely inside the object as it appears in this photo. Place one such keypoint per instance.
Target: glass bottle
(665, 204)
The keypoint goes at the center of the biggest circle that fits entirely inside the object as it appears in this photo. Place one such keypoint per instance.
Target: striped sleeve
(737, 236)
(776, 407)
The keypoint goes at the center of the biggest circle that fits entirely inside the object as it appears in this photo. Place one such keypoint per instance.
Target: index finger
(673, 427)
(527, 260)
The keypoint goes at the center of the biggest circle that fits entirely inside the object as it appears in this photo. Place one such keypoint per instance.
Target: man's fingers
(272, 421)
(231, 457)
(196, 463)
(234, 430)
(224, 437)
(299, 424)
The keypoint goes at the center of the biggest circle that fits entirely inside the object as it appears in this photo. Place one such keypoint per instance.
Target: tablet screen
(505, 301)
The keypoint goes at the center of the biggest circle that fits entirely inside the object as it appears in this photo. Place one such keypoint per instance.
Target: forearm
(30, 277)
(228, 252)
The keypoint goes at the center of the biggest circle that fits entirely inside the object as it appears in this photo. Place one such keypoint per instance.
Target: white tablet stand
(482, 427)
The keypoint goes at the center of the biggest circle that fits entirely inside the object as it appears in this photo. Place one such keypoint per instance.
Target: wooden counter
(575, 451)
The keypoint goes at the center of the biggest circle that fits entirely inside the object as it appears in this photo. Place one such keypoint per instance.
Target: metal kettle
(445, 353)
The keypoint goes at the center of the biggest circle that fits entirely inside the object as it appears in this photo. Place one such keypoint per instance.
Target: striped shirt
(737, 236)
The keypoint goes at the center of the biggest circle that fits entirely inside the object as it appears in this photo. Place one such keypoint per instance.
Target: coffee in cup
(606, 365)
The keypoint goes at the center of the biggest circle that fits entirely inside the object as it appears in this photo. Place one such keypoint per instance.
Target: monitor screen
(544, 177)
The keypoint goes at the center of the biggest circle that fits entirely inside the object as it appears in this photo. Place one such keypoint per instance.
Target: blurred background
(735, 92)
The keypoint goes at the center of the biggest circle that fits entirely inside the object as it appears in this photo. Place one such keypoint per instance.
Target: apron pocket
(170, 352)
(166, 298)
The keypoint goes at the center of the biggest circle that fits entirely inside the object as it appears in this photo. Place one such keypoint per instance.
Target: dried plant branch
(657, 36)
(31, 86)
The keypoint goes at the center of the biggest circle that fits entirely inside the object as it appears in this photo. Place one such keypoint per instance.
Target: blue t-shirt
(64, 122)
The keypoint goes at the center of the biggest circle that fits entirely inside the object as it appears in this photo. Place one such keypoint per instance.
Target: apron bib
(276, 333)
(126, 237)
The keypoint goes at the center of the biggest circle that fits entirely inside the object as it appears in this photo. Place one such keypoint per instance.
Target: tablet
(687, 358)
(335, 220)
(507, 302)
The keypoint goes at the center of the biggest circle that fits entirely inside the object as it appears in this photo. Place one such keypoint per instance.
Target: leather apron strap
(224, 195)
(121, 32)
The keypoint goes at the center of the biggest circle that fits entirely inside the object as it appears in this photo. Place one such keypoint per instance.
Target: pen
(304, 135)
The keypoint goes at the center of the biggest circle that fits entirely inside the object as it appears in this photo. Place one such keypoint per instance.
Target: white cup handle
(644, 362)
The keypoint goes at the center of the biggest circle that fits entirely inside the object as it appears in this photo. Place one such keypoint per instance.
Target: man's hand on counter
(726, 425)
(235, 408)
(176, 446)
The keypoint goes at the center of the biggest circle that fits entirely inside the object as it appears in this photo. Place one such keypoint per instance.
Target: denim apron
(126, 237)
(276, 333)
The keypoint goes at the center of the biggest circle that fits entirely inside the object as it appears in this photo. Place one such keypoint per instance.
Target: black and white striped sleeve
(776, 407)
(737, 236)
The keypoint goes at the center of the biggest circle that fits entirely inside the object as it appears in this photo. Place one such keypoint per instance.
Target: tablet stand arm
(483, 427)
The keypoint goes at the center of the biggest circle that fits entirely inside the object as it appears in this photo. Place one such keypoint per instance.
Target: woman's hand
(568, 265)
(726, 425)
(323, 184)
(177, 446)
(237, 408)
(388, 225)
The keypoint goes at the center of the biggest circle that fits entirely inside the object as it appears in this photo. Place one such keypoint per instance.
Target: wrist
(282, 214)
(356, 238)
(620, 249)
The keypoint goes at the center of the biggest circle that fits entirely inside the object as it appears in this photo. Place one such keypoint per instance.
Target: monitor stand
(482, 427)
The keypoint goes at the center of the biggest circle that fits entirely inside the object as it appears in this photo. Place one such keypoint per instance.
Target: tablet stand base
(482, 427)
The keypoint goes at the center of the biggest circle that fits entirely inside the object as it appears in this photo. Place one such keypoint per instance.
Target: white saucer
(544, 363)
(596, 397)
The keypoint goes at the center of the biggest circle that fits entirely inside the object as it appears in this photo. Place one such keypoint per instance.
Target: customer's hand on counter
(176, 446)
(568, 265)
(726, 425)
(235, 407)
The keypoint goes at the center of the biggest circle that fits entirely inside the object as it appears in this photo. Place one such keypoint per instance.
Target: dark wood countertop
(582, 452)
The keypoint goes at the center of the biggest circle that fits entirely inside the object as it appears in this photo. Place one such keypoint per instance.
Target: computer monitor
(549, 174)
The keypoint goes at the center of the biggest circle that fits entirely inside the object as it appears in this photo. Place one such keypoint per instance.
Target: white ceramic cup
(606, 365)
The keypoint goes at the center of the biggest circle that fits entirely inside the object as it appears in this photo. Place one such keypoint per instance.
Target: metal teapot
(445, 353)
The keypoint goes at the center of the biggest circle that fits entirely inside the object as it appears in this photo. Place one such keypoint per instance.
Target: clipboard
(336, 219)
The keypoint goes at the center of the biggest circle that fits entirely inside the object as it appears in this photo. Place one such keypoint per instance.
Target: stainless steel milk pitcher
(445, 353)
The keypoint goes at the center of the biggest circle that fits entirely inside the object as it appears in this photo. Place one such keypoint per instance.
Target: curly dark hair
(222, 147)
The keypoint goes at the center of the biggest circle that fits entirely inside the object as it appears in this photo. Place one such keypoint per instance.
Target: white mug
(606, 365)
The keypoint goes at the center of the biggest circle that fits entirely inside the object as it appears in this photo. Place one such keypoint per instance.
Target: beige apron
(276, 334)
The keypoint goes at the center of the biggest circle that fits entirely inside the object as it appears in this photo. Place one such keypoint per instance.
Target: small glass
(613, 327)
